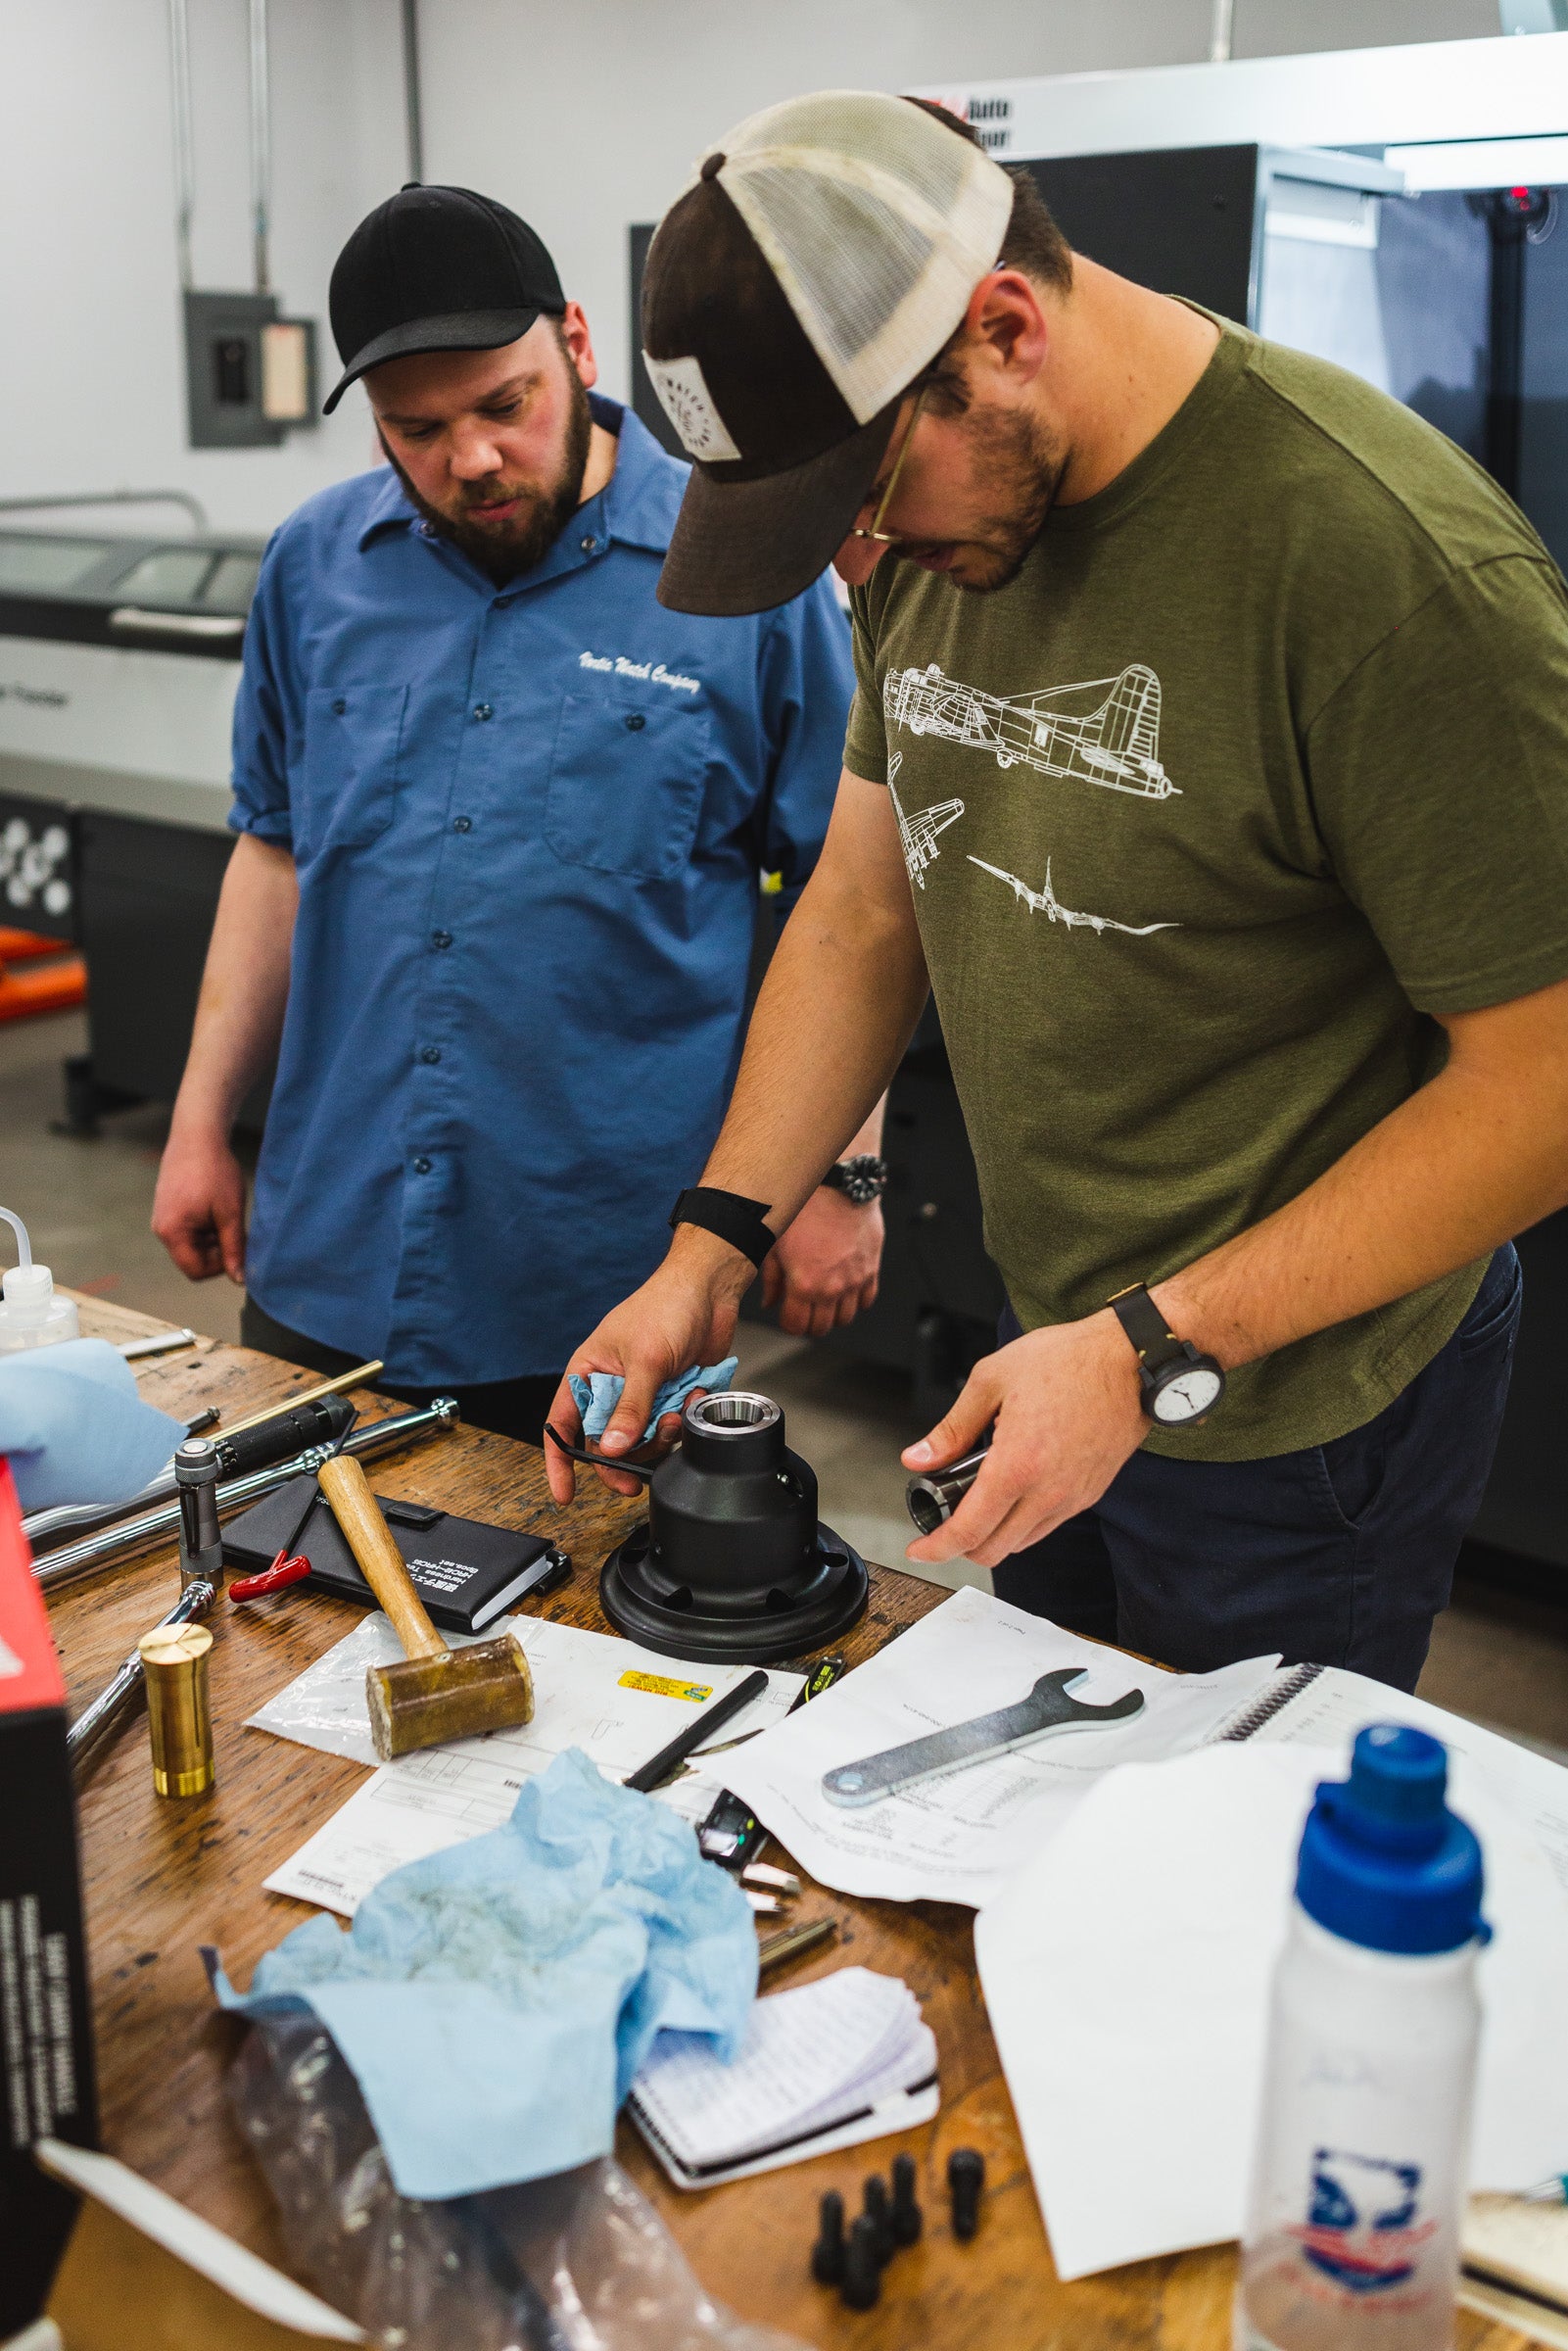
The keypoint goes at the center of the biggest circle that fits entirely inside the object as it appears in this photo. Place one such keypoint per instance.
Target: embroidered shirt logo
(688, 402)
(616, 665)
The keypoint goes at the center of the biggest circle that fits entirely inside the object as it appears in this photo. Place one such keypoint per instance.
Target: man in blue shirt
(502, 819)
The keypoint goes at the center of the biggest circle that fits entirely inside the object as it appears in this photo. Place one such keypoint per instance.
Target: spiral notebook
(825, 2065)
(1324, 1706)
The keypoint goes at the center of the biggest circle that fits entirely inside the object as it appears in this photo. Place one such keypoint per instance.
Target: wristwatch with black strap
(1179, 1386)
(862, 1179)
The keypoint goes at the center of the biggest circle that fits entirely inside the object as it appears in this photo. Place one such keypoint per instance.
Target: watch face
(1189, 1395)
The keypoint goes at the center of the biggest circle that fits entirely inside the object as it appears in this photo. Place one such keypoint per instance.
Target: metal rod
(179, 60)
(156, 1342)
(261, 145)
(77, 1559)
(111, 498)
(359, 1377)
(411, 90)
(114, 1702)
(1220, 31)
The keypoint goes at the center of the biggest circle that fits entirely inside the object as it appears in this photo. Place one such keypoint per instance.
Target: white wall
(586, 115)
(589, 115)
(92, 387)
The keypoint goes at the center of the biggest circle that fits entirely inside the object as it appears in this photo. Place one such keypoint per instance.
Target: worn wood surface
(162, 1878)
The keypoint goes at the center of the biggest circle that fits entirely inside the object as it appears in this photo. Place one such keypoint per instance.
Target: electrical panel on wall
(250, 375)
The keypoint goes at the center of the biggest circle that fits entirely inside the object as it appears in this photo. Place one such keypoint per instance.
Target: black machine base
(831, 1602)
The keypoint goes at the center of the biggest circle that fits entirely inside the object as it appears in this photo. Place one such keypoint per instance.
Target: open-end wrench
(1047, 1709)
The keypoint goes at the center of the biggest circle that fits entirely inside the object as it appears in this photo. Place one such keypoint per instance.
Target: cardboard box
(46, 2052)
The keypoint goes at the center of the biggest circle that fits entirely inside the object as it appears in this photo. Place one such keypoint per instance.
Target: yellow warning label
(661, 1687)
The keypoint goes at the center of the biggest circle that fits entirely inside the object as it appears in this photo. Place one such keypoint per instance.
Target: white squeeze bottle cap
(30, 1315)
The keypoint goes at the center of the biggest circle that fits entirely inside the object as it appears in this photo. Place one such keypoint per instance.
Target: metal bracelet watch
(862, 1179)
(1177, 1385)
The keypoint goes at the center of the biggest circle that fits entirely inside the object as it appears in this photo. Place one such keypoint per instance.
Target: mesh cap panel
(878, 222)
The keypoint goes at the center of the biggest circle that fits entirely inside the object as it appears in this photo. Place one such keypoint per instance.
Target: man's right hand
(199, 1207)
(685, 1313)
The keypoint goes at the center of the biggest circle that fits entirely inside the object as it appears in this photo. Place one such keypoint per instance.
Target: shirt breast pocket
(626, 785)
(347, 782)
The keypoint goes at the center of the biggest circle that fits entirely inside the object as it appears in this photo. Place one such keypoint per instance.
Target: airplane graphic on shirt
(1116, 744)
(919, 832)
(1045, 901)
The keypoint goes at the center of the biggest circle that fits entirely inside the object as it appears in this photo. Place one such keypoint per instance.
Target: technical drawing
(1116, 744)
(1045, 901)
(919, 832)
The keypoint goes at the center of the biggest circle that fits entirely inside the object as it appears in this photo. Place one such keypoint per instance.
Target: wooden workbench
(162, 1878)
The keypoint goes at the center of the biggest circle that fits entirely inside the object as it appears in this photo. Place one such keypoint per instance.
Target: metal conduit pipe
(261, 145)
(179, 63)
(77, 1561)
(411, 90)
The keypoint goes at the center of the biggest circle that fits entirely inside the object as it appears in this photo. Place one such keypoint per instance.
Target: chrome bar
(114, 1702)
(106, 1548)
(261, 145)
(179, 60)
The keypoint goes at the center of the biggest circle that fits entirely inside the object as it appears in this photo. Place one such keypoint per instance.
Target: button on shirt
(528, 824)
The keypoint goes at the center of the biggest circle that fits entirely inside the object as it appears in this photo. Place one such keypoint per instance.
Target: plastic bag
(581, 2262)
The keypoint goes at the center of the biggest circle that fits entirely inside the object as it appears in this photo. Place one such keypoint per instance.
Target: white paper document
(839, 2058)
(1126, 1972)
(957, 1838)
(616, 1702)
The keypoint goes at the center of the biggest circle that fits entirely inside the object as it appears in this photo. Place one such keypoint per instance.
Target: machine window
(41, 564)
(233, 583)
(174, 576)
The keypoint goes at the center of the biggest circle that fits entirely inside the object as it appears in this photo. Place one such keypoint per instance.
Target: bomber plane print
(919, 831)
(1116, 744)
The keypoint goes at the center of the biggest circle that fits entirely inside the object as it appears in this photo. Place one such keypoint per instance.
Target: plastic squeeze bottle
(30, 1315)
(1358, 2175)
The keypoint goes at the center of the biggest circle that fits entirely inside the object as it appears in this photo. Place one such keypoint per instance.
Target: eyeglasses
(891, 538)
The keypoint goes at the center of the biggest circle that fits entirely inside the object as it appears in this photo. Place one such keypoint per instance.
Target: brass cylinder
(174, 1660)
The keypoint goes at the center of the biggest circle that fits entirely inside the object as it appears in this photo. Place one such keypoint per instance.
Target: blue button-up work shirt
(529, 823)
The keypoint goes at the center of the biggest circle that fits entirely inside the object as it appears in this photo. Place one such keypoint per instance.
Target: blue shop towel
(597, 1396)
(494, 2000)
(76, 1429)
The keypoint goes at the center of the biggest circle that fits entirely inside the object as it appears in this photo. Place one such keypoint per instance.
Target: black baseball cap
(822, 258)
(436, 269)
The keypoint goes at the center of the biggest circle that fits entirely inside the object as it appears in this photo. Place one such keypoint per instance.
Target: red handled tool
(283, 1571)
(289, 1566)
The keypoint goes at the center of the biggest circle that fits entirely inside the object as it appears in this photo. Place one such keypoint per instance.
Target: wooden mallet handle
(380, 1562)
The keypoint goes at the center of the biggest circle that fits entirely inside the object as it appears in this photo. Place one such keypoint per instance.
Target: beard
(503, 551)
(1018, 471)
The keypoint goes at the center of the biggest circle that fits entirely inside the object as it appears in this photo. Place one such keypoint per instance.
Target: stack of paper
(832, 2063)
(616, 1702)
(1127, 1973)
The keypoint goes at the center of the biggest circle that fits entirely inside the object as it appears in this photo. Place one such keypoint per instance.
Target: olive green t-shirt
(1260, 763)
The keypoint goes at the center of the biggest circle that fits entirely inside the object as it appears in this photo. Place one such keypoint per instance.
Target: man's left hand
(1067, 1413)
(823, 1270)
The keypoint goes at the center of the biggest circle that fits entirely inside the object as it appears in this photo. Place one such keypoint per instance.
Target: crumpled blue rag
(76, 1429)
(598, 1395)
(494, 2000)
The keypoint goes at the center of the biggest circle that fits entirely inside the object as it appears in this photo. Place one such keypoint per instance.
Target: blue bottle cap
(1383, 1860)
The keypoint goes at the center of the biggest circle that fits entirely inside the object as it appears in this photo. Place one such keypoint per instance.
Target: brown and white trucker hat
(820, 258)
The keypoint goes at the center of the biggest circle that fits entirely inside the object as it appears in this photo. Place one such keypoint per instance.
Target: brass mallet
(437, 1692)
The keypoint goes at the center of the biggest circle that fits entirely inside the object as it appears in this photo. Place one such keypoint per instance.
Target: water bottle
(32, 1313)
(1358, 2177)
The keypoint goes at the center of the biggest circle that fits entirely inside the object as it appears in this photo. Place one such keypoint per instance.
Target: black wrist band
(729, 1216)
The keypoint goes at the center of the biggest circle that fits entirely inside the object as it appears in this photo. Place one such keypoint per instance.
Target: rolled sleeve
(807, 682)
(260, 773)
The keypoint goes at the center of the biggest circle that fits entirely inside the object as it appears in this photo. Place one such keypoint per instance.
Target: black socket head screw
(862, 2268)
(879, 2214)
(965, 2177)
(828, 2253)
(906, 2212)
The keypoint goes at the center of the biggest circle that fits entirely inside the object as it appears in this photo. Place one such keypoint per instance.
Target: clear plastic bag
(581, 2262)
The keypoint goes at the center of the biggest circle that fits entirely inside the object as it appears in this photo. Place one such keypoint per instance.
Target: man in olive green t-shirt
(1209, 762)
